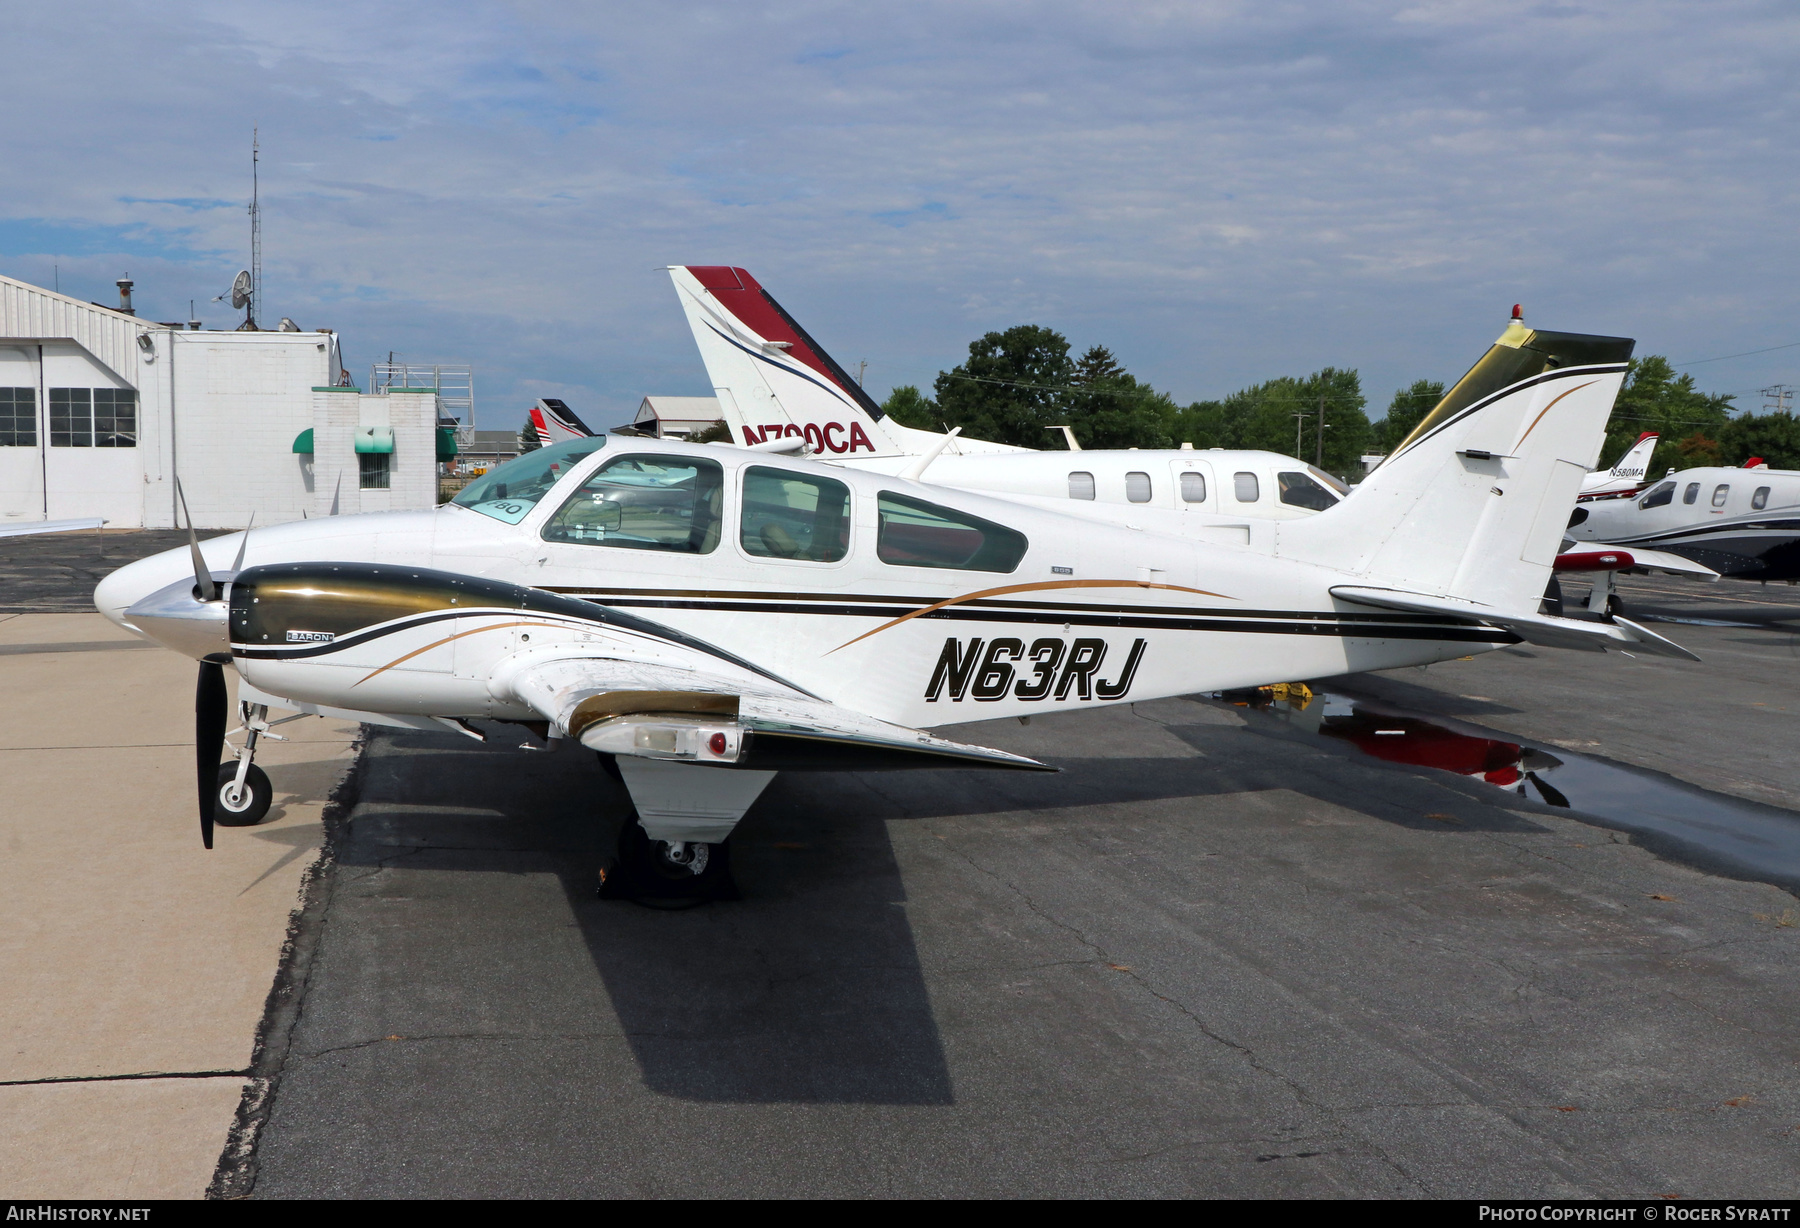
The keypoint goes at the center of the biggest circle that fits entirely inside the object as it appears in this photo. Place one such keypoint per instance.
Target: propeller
(212, 702)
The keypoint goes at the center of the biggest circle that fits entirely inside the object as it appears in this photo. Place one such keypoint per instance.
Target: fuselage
(1740, 522)
(915, 604)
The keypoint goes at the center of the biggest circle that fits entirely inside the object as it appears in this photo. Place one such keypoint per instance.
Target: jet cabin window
(1691, 493)
(1300, 490)
(1137, 487)
(508, 491)
(1721, 492)
(1660, 497)
(1247, 488)
(1760, 499)
(645, 503)
(790, 516)
(1193, 487)
(1081, 486)
(914, 533)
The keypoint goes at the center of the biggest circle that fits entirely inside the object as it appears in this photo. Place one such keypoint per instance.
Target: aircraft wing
(1542, 629)
(700, 715)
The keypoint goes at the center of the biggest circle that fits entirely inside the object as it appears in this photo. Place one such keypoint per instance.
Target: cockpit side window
(914, 533)
(1691, 493)
(1300, 490)
(1721, 492)
(1661, 496)
(645, 503)
(1760, 499)
(508, 491)
(790, 515)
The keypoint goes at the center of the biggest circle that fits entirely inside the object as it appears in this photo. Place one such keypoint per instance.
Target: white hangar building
(100, 412)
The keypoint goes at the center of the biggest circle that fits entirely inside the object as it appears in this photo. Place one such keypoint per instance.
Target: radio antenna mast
(255, 227)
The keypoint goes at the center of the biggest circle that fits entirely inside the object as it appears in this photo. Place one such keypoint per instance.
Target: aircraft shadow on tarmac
(809, 989)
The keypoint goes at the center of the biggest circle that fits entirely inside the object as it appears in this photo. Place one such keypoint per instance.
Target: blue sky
(1220, 192)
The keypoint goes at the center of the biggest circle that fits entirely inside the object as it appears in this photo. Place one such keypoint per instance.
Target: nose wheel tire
(245, 809)
(659, 874)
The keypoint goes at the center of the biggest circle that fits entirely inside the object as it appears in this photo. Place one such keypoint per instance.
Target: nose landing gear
(244, 789)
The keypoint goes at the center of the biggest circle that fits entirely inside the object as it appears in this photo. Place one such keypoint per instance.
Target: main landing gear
(666, 874)
(1605, 600)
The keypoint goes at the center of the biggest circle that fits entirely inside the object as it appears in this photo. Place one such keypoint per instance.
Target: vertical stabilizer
(554, 422)
(1630, 473)
(1474, 503)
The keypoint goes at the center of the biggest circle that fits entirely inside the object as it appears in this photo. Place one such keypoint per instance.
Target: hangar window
(1300, 490)
(645, 503)
(915, 533)
(1721, 492)
(93, 418)
(18, 417)
(1760, 499)
(1661, 496)
(1081, 486)
(1137, 487)
(1691, 493)
(372, 470)
(1246, 487)
(789, 515)
(1193, 487)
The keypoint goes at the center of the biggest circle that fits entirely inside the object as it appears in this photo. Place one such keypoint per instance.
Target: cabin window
(18, 417)
(1193, 487)
(372, 470)
(93, 418)
(1081, 486)
(1691, 493)
(1661, 496)
(914, 533)
(1246, 487)
(1721, 492)
(506, 492)
(1760, 499)
(1137, 487)
(1300, 490)
(645, 503)
(789, 515)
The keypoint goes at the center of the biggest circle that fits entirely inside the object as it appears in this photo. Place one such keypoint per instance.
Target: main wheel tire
(654, 875)
(1614, 605)
(248, 809)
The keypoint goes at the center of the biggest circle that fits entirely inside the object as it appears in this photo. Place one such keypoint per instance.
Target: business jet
(1741, 523)
(774, 382)
(553, 422)
(1625, 477)
(704, 616)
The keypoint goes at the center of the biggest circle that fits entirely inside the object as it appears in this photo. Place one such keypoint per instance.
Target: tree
(1405, 412)
(1269, 415)
(1774, 437)
(528, 440)
(1010, 388)
(1654, 398)
(1107, 407)
(910, 407)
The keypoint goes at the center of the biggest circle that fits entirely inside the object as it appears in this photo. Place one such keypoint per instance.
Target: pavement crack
(134, 1077)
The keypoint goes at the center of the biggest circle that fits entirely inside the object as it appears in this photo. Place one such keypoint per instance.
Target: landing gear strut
(244, 789)
(666, 874)
(1605, 600)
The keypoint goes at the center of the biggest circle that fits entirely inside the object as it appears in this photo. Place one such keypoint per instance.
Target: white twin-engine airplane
(704, 616)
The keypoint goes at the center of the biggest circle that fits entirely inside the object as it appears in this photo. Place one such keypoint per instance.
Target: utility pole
(861, 367)
(1298, 419)
(1320, 462)
(1779, 398)
(255, 229)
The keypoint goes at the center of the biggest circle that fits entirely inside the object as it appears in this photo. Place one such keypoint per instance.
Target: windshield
(506, 493)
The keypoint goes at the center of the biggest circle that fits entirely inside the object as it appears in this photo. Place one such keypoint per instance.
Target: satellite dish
(241, 289)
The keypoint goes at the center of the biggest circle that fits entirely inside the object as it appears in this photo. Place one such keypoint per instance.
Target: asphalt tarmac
(1219, 954)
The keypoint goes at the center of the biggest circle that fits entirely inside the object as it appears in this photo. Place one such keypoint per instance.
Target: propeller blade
(211, 708)
(237, 564)
(203, 580)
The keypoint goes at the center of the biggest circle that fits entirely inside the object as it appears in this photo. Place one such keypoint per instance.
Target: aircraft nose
(130, 584)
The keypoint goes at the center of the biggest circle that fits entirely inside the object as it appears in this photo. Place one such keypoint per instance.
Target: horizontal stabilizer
(1533, 628)
(1599, 556)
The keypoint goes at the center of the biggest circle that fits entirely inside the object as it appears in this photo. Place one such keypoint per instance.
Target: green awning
(446, 443)
(303, 441)
(374, 439)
